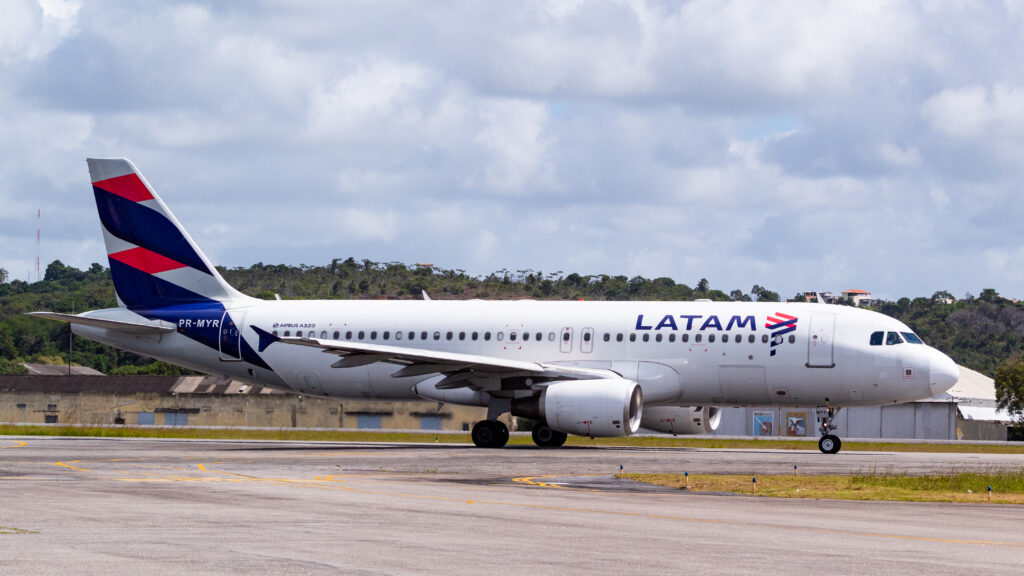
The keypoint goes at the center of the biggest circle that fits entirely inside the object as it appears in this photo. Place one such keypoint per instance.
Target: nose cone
(943, 373)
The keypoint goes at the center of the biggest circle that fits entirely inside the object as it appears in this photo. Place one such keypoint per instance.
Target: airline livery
(587, 368)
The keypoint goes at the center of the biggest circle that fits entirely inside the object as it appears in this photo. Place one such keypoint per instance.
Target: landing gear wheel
(489, 434)
(830, 444)
(548, 438)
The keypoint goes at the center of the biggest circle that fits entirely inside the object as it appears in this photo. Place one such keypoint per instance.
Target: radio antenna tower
(39, 216)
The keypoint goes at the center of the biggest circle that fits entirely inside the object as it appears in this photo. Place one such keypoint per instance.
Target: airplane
(596, 369)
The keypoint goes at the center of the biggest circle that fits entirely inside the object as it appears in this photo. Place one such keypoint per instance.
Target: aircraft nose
(943, 373)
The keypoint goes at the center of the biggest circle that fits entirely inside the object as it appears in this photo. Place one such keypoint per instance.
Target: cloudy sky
(796, 145)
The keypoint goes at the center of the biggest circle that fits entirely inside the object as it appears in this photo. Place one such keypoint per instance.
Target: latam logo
(780, 325)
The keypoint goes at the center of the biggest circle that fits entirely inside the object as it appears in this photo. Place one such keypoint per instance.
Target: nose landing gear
(828, 443)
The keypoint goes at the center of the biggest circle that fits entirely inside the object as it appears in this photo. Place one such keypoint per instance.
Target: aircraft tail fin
(153, 260)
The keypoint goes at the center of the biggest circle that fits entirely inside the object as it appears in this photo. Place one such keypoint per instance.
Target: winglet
(266, 338)
(425, 295)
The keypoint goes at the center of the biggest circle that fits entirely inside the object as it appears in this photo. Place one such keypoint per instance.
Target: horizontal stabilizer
(116, 325)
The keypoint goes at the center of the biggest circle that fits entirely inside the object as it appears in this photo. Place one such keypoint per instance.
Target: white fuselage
(685, 353)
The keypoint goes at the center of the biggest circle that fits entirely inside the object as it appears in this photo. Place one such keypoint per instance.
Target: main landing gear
(828, 443)
(490, 434)
(547, 438)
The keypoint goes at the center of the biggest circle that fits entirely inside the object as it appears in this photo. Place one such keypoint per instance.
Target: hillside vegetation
(980, 333)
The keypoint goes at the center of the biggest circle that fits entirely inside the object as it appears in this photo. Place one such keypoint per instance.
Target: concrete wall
(261, 410)
(918, 420)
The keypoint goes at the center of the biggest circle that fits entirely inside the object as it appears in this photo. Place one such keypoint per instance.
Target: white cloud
(512, 132)
(977, 112)
(30, 30)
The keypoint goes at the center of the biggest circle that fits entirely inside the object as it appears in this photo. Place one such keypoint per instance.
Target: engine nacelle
(603, 407)
(682, 420)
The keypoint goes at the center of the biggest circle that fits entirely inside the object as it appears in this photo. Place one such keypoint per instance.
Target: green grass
(464, 438)
(1007, 486)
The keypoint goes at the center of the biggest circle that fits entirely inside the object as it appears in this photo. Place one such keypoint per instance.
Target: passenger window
(877, 337)
(412, 335)
(373, 335)
(671, 337)
(323, 334)
(892, 338)
(475, 335)
(462, 335)
(437, 335)
(632, 337)
(487, 335)
(657, 338)
(274, 332)
(398, 335)
(618, 337)
(448, 336)
(647, 337)
(792, 338)
(607, 337)
(586, 337)
(287, 333)
(565, 337)
(711, 337)
(348, 335)
(750, 338)
(387, 335)
(423, 335)
(725, 337)
(337, 335)
(512, 336)
(764, 338)
(362, 334)
(540, 336)
(685, 338)
(696, 338)
(526, 336)
(551, 336)
(500, 336)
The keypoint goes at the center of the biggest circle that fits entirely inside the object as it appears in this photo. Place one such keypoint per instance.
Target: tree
(3, 275)
(1010, 387)
(703, 286)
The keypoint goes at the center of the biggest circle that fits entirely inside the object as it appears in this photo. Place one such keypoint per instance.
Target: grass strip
(464, 438)
(1007, 486)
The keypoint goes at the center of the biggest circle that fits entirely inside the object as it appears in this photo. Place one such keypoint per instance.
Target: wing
(460, 369)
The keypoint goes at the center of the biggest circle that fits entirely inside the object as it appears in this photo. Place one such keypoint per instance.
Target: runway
(121, 506)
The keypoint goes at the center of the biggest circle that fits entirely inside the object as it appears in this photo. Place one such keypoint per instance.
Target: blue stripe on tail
(143, 226)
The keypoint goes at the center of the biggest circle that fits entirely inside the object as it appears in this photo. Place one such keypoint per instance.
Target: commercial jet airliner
(586, 368)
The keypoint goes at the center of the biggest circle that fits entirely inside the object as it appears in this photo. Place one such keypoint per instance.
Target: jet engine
(602, 407)
(677, 420)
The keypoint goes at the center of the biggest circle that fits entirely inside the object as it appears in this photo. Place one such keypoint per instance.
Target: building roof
(53, 370)
(856, 292)
(130, 385)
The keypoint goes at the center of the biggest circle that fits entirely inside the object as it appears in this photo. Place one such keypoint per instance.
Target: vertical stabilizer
(153, 260)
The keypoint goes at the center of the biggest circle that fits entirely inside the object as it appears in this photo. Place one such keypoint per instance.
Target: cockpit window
(877, 338)
(912, 338)
(892, 338)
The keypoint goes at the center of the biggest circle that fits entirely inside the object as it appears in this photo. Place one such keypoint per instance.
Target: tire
(484, 434)
(830, 444)
(548, 438)
(501, 438)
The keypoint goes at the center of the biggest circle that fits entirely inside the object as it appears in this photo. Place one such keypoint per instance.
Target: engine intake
(605, 407)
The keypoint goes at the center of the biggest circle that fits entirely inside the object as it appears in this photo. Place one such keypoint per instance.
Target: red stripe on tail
(146, 260)
(128, 186)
